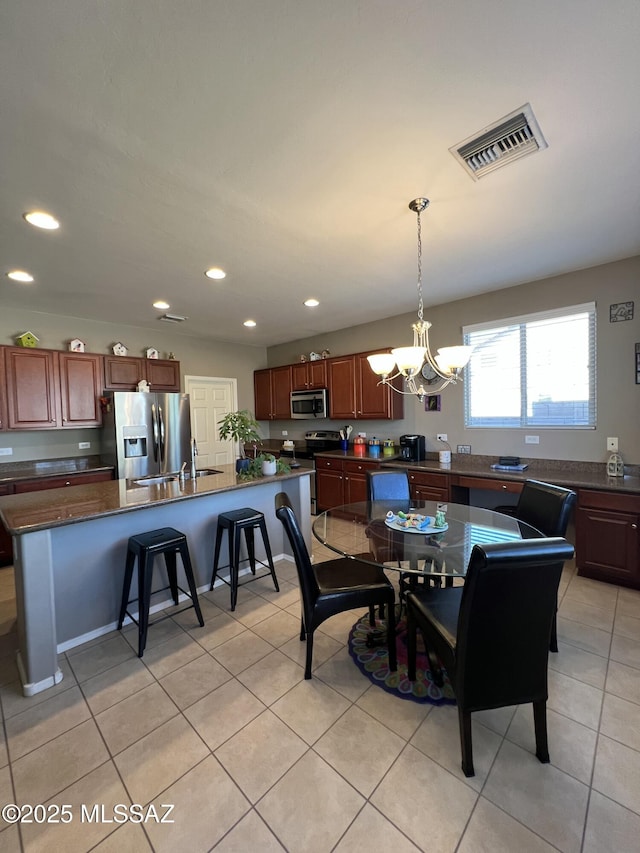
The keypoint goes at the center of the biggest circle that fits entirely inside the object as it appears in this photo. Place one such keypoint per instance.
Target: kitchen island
(70, 546)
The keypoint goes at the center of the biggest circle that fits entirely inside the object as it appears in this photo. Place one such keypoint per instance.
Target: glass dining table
(372, 531)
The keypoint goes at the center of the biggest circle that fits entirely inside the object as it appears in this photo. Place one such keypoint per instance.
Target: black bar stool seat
(145, 546)
(235, 521)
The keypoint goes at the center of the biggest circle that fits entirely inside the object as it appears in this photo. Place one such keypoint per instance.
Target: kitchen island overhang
(70, 546)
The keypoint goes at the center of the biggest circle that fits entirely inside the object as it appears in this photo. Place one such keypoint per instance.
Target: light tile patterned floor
(219, 722)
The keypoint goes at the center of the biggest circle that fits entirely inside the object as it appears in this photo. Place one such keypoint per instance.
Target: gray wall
(618, 397)
(197, 357)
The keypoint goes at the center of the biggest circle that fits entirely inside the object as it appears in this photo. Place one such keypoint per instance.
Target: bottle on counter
(388, 447)
(359, 446)
(374, 447)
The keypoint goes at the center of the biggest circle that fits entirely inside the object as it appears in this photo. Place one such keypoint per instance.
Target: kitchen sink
(205, 472)
(156, 480)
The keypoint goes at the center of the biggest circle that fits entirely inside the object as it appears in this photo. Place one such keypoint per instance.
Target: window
(533, 371)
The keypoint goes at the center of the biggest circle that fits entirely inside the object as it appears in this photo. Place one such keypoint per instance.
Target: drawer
(428, 478)
(6, 489)
(354, 467)
(608, 501)
(323, 463)
(510, 486)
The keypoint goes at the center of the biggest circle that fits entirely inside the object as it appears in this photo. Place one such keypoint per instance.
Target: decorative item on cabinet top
(119, 349)
(27, 339)
(314, 356)
(76, 345)
(151, 352)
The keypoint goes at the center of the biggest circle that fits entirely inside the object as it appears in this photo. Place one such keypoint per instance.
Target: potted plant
(242, 427)
(268, 464)
(257, 467)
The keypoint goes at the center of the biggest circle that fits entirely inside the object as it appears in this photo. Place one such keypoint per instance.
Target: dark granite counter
(12, 471)
(584, 475)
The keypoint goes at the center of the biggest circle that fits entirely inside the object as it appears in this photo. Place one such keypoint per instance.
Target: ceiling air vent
(508, 139)
(172, 318)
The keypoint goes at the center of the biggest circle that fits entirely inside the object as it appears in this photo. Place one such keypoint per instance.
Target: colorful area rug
(374, 663)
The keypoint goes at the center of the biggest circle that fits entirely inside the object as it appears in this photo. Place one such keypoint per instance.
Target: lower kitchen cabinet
(6, 550)
(428, 486)
(341, 481)
(608, 537)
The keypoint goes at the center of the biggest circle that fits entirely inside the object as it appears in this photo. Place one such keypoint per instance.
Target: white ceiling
(283, 139)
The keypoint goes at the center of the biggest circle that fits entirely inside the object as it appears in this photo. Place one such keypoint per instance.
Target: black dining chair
(334, 586)
(548, 508)
(492, 634)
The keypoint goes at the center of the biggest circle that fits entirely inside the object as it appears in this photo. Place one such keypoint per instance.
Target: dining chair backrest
(308, 584)
(507, 607)
(387, 486)
(546, 507)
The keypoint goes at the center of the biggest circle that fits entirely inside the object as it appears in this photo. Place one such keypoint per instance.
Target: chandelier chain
(420, 302)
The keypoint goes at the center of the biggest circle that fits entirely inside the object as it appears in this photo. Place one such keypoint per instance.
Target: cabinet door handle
(504, 487)
(634, 526)
(68, 483)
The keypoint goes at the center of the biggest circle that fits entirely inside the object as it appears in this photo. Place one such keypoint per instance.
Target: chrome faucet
(194, 453)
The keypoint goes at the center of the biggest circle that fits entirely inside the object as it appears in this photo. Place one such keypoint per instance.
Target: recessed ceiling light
(20, 275)
(162, 305)
(42, 220)
(311, 303)
(249, 323)
(215, 272)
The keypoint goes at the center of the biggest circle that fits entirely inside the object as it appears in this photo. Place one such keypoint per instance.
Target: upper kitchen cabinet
(355, 391)
(123, 372)
(47, 389)
(272, 390)
(309, 375)
(32, 379)
(3, 393)
(81, 377)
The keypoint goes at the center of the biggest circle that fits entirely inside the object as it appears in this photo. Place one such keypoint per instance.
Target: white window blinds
(536, 370)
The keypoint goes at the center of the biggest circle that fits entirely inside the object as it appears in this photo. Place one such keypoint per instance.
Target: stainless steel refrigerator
(146, 434)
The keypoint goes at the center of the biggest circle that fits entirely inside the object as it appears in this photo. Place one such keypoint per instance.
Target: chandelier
(416, 363)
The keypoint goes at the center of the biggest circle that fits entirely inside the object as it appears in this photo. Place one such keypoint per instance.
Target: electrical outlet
(6, 451)
(612, 444)
(442, 436)
(285, 432)
(84, 445)
(362, 434)
(464, 448)
(532, 439)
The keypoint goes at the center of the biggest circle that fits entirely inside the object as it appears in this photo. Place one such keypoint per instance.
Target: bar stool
(145, 546)
(235, 522)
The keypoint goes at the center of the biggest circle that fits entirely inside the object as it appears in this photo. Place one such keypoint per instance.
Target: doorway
(211, 398)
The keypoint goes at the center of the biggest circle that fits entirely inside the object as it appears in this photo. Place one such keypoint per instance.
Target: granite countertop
(11, 471)
(585, 475)
(57, 507)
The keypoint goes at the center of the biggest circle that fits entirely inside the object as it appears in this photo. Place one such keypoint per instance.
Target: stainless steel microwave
(309, 405)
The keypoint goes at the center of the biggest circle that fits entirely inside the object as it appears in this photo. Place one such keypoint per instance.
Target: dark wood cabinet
(608, 537)
(3, 392)
(309, 375)
(428, 486)
(81, 478)
(162, 374)
(81, 379)
(122, 373)
(47, 389)
(6, 547)
(355, 391)
(341, 481)
(32, 381)
(272, 393)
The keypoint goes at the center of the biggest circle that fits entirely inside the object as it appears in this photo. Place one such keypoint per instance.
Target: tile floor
(219, 723)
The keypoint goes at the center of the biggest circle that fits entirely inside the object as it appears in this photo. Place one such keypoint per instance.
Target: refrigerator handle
(162, 434)
(154, 421)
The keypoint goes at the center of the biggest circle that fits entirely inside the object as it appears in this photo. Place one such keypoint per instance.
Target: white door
(211, 398)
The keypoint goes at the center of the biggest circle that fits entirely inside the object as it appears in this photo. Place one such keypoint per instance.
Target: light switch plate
(532, 439)
(6, 451)
(464, 448)
(84, 445)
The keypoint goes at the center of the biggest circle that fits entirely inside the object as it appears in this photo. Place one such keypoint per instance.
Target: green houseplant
(255, 467)
(242, 427)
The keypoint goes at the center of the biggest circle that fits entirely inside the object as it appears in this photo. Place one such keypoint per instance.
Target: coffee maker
(412, 447)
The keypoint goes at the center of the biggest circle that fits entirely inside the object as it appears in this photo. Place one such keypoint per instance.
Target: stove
(316, 441)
